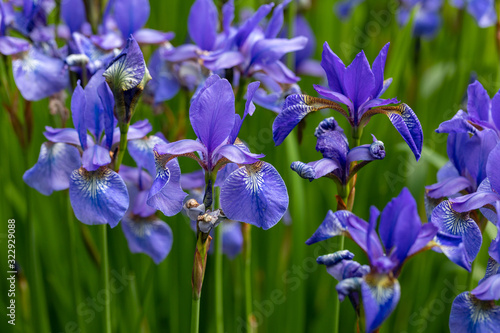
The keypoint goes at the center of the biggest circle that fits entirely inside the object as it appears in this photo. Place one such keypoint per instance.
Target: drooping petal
(452, 247)
(202, 24)
(38, 76)
(255, 194)
(334, 69)
(469, 314)
(212, 112)
(166, 193)
(232, 239)
(151, 236)
(406, 123)
(473, 201)
(380, 294)
(334, 96)
(55, 164)
(458, 124)
(324, 167)
(131, 15)
(295, 109)
(333, 225)
(98, 197)
(458, 224)
(359, 81)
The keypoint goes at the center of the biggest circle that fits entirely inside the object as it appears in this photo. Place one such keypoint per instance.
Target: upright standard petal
(469, 314)
(150, 235)
(478, 101)
(378, 71)
(212, 113)
(98, 197)
(55, 164)
(73, 14)
(202, 24)
(492, 168)
(400, 225)
(255, 194)
(359, 81)
(334, 69)
(131, 15)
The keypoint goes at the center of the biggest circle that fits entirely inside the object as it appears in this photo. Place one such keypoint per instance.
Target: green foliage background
(291, 292)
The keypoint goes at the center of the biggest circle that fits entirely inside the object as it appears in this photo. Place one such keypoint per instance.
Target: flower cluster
(468, 182)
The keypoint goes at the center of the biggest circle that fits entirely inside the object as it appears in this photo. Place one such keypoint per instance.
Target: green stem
(219, 292)
(247, 257)
(74, 265)
(105, 268)
(195, 315)
(470, 277)
(292, 13)
(122, 148)
(336, 302)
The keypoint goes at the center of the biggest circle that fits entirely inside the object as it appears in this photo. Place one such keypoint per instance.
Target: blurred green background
(291, 292)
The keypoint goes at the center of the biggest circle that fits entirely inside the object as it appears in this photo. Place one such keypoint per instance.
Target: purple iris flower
(79, 158)
(337, 157)
(344, 8)
(359, 87)
(402, 235)
(124, 18)
(253, 193)
(427, 19)
(74, 16)
(144, 231)
(39, 70)
(476, 311)
(482, 10)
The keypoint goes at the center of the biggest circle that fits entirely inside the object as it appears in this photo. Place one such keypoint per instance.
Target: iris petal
(141, 151)
(98, 197)
(458, 224)
(166, 193)
(151, 236)
(255, 194)
(468, 314)
(380, 295)
(55, 164)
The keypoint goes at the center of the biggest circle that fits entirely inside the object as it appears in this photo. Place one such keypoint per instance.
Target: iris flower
(337, 157)
(254, 192)
(80, 157)
(402, 235)
(359, 87)
(476, 311)
(482, 10)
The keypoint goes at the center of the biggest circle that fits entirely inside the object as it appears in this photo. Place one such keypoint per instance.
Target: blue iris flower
(79, 158)
(337, 157)
(254, 192)
(359, 87)
(402, 235)
(476, 311)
